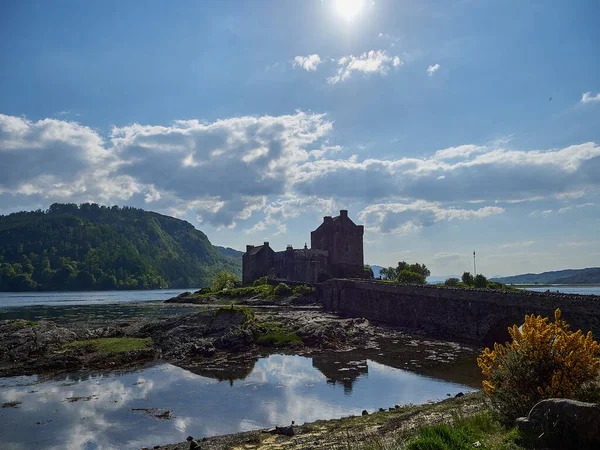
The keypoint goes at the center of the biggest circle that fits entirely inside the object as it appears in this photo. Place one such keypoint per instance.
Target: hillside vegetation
(70, 247)
(569, 276)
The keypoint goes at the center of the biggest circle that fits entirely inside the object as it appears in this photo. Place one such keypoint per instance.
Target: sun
(348, 9)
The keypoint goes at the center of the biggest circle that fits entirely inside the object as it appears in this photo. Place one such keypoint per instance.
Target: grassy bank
(112, 345)
(453, 424)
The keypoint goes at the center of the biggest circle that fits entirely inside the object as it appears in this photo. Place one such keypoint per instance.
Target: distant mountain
(569, 276)
(70, 247)
(228, 251)
(433, 279)
(376, 270)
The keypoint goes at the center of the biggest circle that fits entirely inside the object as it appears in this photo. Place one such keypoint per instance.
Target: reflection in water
(95, 411)
(341, 368)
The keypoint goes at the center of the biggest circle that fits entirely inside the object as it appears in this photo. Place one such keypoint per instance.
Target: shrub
(406, 276)
(303, 289)
(544, 360)
(452, 282)
(282, 290)
(261, 281)
(480, 281)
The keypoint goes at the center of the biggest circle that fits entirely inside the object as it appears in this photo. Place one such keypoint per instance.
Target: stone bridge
(473, 315)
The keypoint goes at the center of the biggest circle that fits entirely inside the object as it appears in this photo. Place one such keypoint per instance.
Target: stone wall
(473, 315)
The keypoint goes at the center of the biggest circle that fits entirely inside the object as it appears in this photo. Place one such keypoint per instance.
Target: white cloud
(374, 61)
(516, 244)
(462, 151)
(588, 98)
(432, 69)
(308, 63)
(403, 218)
(260, 172)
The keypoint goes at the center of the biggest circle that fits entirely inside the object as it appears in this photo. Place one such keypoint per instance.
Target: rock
(460, 394)
(284, 431)
(580, 418)
(381, 410)
(194, 444)
(365, 412)
(19, 342)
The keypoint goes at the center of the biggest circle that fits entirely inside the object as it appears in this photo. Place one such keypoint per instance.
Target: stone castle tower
(336, 251)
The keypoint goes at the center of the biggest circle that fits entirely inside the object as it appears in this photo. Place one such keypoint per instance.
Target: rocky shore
(211, 336)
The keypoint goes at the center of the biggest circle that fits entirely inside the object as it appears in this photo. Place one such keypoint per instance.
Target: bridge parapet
(474, 315)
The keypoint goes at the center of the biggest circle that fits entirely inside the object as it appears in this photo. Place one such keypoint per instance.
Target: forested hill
(70, 247)
(569, 276)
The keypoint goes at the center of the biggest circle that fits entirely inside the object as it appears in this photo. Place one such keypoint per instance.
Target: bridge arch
(498, 332)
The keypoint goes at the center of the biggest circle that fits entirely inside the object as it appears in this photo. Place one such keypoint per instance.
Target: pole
(474, 265)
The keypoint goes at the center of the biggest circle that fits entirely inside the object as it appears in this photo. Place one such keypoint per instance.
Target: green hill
(568, 276)
(70, 247)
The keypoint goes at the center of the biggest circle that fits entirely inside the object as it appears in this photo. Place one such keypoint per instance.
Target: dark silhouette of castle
(336, 250)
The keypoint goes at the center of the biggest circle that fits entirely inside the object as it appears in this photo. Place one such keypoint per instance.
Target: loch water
(118, 410)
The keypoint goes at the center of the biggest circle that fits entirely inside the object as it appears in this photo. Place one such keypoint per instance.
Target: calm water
(85, 298)
(591, 290)
(275, 391)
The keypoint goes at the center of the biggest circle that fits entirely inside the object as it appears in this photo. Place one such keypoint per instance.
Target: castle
(336, 250)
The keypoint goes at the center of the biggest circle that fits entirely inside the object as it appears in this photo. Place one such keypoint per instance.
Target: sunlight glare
(348, 8)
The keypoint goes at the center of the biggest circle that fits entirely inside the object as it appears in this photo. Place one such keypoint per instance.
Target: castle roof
(255, 250)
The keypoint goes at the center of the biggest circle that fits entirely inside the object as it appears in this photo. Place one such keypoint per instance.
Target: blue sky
(442, 126)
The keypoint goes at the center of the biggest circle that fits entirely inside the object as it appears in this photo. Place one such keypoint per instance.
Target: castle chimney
(344, 213)
(249, 247)
(327, 219)
(266, 243)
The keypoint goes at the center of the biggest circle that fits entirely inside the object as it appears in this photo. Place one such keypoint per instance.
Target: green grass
(236, 309)
(463, 432)
(24, 323)
(112, 345)
(265, 291)
(275, 334)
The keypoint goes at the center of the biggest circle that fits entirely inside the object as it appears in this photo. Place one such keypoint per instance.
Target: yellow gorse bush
(560, 360)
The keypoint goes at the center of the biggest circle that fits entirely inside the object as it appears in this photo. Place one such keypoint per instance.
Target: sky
(445, 127)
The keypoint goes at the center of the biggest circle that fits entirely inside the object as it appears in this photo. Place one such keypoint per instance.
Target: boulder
(564, 416)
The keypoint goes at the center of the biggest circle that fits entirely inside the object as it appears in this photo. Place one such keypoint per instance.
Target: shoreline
(382, 427)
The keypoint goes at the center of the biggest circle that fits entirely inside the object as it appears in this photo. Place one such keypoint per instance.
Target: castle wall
(344, 242)
(257, 265)
(300, 265)
(476, 315)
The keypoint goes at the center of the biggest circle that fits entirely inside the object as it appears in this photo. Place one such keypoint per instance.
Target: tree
(452, 282)
(369, 271)
(467, 278)
(480, 281)
(409, 277)
(416, 267)
(224, 280)
(388, 273)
